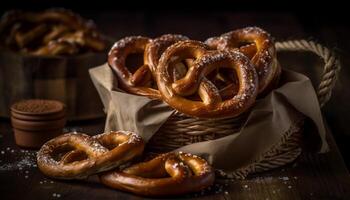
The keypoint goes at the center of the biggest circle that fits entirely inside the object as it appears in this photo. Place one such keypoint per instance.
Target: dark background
(325, 22)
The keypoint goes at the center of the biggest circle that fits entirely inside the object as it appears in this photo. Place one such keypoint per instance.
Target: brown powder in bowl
(37, 107)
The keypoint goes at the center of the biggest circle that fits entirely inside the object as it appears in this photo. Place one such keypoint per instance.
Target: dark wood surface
(312, 176)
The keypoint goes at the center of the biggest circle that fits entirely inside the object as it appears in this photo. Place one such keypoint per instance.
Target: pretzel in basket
(140, 81)
(174, 92)
(258, 45)
(167, 174)
(76, 155)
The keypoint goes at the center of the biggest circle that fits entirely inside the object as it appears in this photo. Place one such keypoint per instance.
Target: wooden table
(312, 176)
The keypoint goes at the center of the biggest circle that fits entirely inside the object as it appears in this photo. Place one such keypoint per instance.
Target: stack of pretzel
(50, 32)
(219, 78)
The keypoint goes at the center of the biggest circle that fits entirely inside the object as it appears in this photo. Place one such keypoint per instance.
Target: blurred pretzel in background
(50, 32)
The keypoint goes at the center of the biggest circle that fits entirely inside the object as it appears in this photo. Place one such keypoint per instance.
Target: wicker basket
(180, 130)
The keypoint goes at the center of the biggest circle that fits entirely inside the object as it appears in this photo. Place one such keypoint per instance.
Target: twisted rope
(330, 69)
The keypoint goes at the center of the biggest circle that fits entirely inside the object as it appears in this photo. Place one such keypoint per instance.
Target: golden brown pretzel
(258, 45)
(212, 105)
(140, 82)
(76, 155)
(157, 46)
(167, 174)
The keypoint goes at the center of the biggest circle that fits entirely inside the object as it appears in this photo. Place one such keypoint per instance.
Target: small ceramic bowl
(36, 121)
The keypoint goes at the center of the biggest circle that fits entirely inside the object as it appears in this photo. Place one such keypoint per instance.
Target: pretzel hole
(68, 154)
(180, 68)
(225, 79)
(248, 49)
(112, 142)
(244, 43)
(74, 156)
(133, 61)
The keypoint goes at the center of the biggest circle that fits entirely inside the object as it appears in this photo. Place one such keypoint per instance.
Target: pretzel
(258, 45)
(167, 174)
(140, 82)
(212, 106)
(76, 155)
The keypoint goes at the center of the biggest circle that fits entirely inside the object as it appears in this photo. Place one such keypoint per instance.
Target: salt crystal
(26, 176)
(289, 186)
(54, 194)
(2, 152)
(58, 195)
(245, 186)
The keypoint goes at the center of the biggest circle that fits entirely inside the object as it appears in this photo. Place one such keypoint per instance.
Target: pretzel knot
(258, 45)
(77, 155)
(141, 81)
(174, 92)
(167, 174)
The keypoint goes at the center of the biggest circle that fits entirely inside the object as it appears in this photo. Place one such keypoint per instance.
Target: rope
(330, 69)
